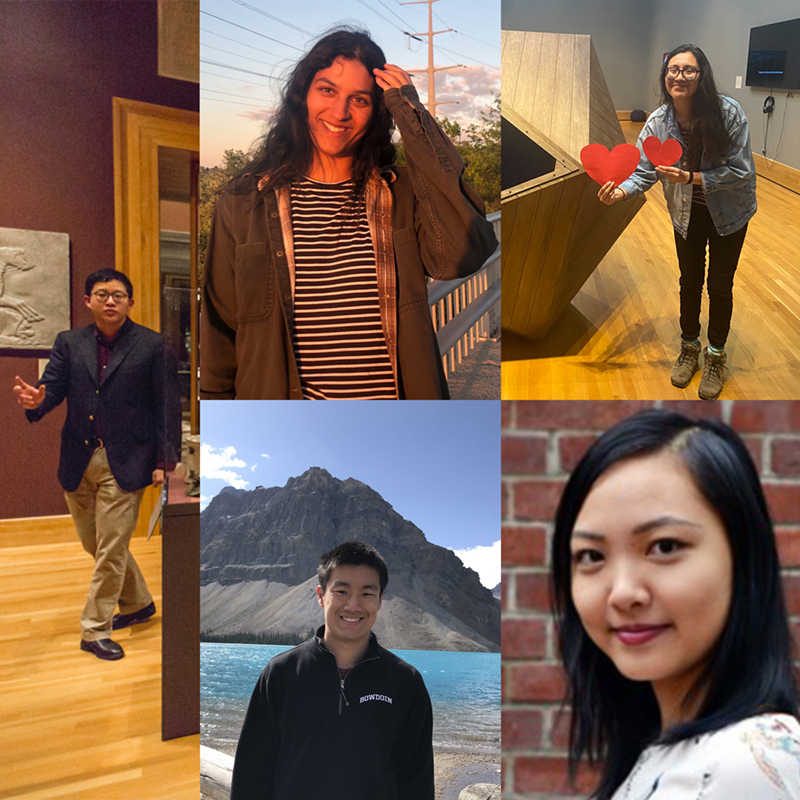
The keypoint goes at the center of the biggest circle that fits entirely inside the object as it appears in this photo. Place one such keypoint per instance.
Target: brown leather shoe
(142, 615)
(103, 648)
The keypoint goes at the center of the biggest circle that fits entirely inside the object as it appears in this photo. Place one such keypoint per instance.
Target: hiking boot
(686, 365)
(713, 376)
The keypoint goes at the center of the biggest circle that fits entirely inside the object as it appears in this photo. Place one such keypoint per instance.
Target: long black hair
(707, 131)
(749, 670)
(286, 151)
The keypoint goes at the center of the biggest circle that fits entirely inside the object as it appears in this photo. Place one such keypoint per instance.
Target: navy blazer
(138, 401)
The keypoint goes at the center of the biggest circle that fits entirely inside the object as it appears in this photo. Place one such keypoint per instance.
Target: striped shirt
(338, 336)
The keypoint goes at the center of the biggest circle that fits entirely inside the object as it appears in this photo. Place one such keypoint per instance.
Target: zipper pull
(341, 689)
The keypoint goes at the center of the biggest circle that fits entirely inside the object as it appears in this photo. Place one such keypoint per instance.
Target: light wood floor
(619, 338)
(73, 726)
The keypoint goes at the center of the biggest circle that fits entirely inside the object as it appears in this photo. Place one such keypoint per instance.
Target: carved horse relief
(16, 316)
(34, 288)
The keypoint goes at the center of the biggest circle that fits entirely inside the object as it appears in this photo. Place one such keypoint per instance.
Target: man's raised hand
(27, 395)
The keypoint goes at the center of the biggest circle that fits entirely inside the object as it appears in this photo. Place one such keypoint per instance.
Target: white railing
(466, 311)
(215, 774)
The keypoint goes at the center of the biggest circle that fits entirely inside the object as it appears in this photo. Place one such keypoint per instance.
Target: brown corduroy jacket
(424, 220)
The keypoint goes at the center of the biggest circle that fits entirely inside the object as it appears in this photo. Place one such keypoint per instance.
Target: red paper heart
(662, 154)
(617, 166)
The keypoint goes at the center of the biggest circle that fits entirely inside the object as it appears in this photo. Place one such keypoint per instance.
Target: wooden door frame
(139, 130)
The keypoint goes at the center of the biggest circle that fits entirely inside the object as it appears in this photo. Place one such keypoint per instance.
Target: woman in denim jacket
(711, 194)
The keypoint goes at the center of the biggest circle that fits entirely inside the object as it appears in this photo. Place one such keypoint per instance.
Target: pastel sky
(436, 462)
(248, 46)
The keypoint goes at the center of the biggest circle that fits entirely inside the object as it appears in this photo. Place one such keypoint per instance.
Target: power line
(271, 16)
(385, 19)
(232, 102)
(236, 41)
(469, 58)
(234, 78)
(230, 94)
(392, 12)
(238, 69)
(231, 53)
(461, 33)
(221, 19)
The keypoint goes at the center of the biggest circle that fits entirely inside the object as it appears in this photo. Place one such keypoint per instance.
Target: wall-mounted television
(773, 59)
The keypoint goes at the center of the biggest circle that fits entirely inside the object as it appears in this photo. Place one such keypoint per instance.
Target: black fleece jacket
(307, 735)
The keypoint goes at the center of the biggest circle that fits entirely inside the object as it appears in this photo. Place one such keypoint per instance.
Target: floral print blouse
(755, 759)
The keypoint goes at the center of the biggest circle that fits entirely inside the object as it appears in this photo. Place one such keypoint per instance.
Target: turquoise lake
(464, 690)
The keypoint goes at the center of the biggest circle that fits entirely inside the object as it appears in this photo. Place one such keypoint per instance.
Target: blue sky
(437, 463)
(247, 46)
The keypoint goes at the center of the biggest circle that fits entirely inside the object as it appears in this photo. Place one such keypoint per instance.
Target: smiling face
(652, 574)
(681, 89)
(351, 601)
(339, 105)
(109, 315)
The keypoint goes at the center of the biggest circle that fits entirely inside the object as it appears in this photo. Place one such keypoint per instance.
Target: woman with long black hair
(711, 194)
(671, 617)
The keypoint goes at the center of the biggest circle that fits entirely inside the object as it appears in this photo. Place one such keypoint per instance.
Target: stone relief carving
(34, 288)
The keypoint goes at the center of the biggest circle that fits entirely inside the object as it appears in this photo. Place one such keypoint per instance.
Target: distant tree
(212, 180)
(479, 147)
(234, 161)
(256, 638)
(483, 157)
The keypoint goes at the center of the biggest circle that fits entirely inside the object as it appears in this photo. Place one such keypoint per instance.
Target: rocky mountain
(259, 552)
(497, 591)
(235, 492)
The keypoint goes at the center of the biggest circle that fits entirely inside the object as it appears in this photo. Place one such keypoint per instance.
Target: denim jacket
(729, 185)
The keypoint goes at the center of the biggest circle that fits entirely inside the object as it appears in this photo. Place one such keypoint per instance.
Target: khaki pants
(105, 517)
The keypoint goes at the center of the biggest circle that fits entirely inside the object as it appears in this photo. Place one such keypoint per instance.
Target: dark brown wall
(62, 62)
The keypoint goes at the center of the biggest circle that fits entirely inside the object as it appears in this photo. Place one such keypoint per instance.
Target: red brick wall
(542, 441)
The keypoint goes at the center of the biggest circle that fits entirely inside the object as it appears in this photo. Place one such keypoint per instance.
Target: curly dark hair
(286, 150)
(707, 132)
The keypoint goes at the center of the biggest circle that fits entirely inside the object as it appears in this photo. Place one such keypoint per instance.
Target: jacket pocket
(411, 284)
(255, 282)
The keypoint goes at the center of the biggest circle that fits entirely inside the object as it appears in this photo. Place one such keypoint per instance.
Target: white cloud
(214, 464)
(253, 468)
(265, 455)
(485, 560)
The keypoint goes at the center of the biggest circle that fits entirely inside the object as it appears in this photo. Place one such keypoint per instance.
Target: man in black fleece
(339, 717)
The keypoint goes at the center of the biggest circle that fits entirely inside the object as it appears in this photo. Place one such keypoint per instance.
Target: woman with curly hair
(314, 283)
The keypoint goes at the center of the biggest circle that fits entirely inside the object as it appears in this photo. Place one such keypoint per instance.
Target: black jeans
(723, 256)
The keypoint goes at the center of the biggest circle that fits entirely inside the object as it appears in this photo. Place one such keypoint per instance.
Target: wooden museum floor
(620, 336)
(74, 726)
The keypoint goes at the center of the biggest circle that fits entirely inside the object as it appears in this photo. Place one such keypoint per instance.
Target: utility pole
(431, 69)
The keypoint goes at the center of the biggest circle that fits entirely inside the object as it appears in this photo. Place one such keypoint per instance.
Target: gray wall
(722, 29)
(610, 24)
(630, 37)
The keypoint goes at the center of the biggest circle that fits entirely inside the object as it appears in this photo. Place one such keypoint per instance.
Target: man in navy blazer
(121, 431)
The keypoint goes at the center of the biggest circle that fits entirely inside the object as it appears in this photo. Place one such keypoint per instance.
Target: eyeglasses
(689, 73)
(102, 296)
